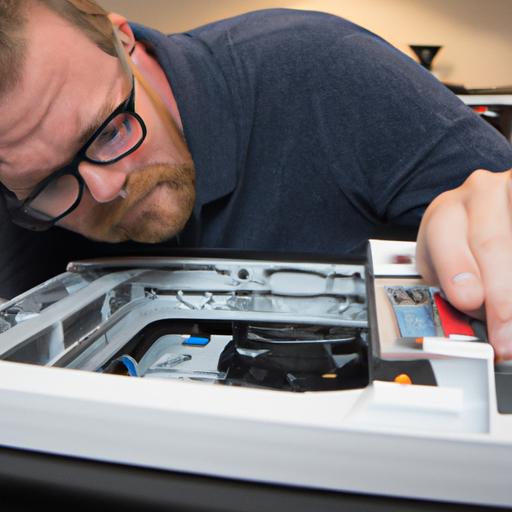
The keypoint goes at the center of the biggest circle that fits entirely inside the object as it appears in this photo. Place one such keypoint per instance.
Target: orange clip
(403, 379)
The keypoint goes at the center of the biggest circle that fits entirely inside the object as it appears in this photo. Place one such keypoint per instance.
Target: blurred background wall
(476, 35)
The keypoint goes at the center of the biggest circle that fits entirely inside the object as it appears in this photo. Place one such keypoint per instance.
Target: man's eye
(112, 141)
(108, 134)
(116, 132)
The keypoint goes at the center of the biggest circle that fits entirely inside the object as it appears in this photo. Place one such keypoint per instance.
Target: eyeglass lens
(117, 138)
(56, 198)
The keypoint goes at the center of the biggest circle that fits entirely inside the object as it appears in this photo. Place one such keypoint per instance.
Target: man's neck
(155, 76)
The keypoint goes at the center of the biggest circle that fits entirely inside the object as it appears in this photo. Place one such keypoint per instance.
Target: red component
(402, 258)
(480, 110)
(452, 320)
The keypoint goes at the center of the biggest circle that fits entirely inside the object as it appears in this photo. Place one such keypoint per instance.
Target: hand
(465, 248)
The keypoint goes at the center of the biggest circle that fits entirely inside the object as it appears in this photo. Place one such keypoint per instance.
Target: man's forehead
(68, 85)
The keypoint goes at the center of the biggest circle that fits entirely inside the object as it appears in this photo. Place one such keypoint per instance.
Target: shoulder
(291, 36)
(275, 23)
(287, 39)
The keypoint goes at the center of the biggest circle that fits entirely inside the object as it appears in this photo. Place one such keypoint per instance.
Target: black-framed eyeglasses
(61, 192)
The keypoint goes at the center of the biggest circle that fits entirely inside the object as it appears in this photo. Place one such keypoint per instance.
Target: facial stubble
(155, 220)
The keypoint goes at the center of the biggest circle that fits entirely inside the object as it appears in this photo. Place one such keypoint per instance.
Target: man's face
(68, 87)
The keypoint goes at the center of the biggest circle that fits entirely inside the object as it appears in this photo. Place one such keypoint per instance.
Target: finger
(490, 235)
(443, 255)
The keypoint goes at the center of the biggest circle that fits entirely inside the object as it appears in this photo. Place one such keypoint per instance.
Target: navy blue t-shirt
(308, 134)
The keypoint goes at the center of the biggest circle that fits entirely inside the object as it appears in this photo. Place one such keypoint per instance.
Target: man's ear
(123, 30)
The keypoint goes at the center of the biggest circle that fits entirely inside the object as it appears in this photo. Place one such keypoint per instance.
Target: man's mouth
(161, 213)
(141, 206)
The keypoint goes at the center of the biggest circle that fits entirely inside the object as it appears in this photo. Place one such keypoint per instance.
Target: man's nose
(105, 182)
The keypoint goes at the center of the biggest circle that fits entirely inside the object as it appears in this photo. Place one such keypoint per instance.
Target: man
(278, 130)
